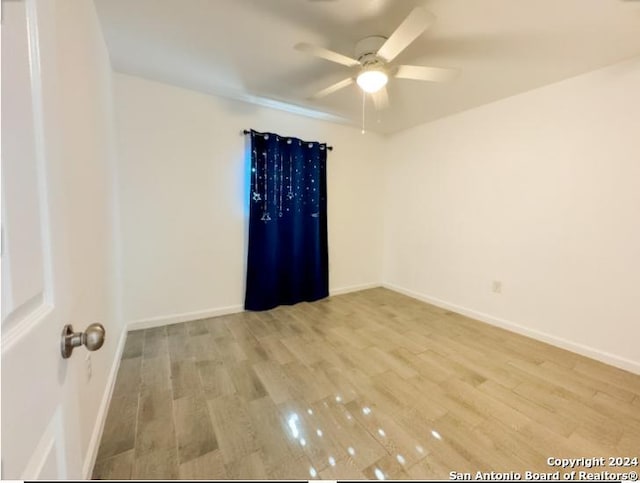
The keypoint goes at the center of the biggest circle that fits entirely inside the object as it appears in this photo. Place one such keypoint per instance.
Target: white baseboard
(353, 288)
(183, 317)
(232, 309)
(98, 428)
(602, 356)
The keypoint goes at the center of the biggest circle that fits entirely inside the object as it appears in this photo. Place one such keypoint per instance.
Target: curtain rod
(246, 131)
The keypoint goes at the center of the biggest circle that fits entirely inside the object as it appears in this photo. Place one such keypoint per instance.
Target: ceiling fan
(373, 57)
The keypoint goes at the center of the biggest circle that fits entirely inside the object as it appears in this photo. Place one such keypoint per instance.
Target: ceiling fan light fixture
(372, 80)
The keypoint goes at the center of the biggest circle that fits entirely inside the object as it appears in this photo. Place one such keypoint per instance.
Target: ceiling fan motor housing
(366, 50)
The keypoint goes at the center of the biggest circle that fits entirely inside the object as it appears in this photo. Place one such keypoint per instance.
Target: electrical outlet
(496, 286)
(87, 366)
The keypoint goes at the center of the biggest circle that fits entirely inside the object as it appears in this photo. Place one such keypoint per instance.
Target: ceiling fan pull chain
(363, 99)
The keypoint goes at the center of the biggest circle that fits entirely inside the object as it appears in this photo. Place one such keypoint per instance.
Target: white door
(39, 410)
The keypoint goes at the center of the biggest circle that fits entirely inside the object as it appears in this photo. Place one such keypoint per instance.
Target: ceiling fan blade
(419, 72)
(416, 22)
(326, 54)
(381, 99)
(332, 88)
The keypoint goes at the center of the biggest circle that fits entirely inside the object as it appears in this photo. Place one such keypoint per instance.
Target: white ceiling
(244, 48)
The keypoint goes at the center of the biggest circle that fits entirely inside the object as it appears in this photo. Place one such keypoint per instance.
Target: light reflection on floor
(297, 426)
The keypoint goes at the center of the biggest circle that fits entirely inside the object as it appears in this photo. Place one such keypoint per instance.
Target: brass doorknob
(92, 338)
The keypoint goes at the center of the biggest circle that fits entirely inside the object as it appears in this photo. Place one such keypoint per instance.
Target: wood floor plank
(346, 381)
(217, 326)
(274, 379)
(227, 350)
(343, 469)
(628, 444)
(439, 400)
(535, 412)
(248, 384)
(128, 377)
(194, 431)
(155, 342)
(302, 425)
(203, 347)
(120, 427)
(155, 402)
(610, 375)
(118, 467)
(591, 423)
(336, 421)
(451, 432)
(179, 346)
(185, 380)
(197, 327)
(390, 435)
(392, 363)
(249, 467)
(615, 409)
(386, 468)
(157, 465)
(553, 376)
(401, 340)
(155, 435)
(488, 407)
(215, 379)
(295, 469)
(397, 395)
(134, 344)
(176, 329)
(434, 468)
(464, 371)
(276, 350)
(308, 384)
(276, 446)
(156, 371)
(587, 383)
(209, 466)
(304, 352)
(233, 427)
(520, 453)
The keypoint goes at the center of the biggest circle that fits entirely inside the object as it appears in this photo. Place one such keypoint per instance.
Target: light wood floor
(371, 385)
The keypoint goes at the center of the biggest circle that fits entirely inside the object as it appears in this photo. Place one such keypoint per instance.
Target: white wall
(183, 192)
(540, 191)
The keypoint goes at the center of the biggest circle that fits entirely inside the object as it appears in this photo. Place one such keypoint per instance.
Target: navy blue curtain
(288, 253)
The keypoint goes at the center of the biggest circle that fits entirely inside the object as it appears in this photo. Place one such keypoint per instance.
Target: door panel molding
(38, 118)
(48, 459)
(31, 310)
(24, 326)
